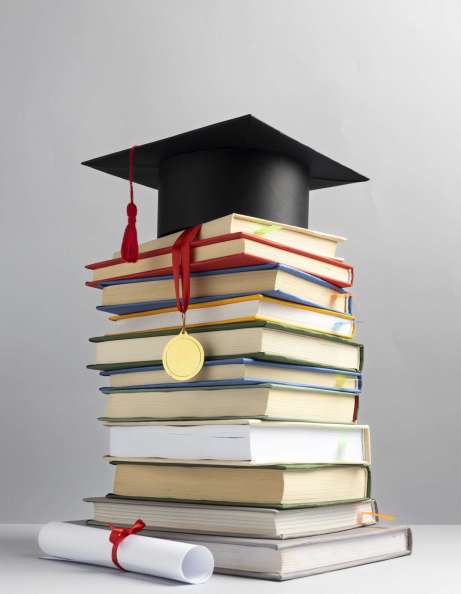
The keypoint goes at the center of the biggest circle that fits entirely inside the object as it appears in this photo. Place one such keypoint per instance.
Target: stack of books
(259, 457)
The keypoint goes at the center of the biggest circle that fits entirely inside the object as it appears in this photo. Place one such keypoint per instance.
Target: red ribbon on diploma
(181, 266)
(118, 535)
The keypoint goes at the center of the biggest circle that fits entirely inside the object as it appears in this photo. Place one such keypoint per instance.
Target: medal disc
(183, 357)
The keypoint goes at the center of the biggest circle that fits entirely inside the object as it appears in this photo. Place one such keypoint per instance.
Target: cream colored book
(261, 340)
(239, 309)
(280, 282)
(323, 244)
(265, 402)
(280, 486)
(259, 522)
(228, 251)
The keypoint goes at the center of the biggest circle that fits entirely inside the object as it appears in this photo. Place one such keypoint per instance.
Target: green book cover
(220, 387)
(284, 467)
(222, 328)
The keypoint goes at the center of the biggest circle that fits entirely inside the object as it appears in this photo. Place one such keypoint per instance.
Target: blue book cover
(159, 304)
(233, 382)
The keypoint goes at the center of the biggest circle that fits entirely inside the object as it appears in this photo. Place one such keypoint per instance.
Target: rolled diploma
(153, 556)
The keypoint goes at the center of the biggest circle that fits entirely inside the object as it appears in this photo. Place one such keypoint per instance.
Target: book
(257, 522)
(238, 371)
(316, 242)
(272, 280)
(258, 340)
(275, 559)
(239, 309)
(252, 440)
(225, 251)
(279, 486)
(260, 401)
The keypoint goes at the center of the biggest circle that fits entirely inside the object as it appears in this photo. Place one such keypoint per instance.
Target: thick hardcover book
(272, 280)
(260, 442)
(255, 401)
(240, 483)
(257, 340)
(237, 372)
(226, 251)
(274, 559)
(222, 520)
(323, 244)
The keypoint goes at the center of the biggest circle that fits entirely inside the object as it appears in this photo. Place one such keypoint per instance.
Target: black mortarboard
(240, 165)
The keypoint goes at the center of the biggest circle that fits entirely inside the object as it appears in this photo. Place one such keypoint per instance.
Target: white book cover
(255, 441)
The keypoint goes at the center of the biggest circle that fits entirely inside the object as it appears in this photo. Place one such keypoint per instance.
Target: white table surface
(434, 568)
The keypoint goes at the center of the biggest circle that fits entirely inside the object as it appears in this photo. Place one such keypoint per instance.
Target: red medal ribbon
(118, 535)
(181, 266)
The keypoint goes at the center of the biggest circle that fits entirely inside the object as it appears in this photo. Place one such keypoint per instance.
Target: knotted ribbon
(118, 535)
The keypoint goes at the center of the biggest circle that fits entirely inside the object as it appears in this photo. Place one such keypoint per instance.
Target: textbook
(226, 251)
(228, 520)
(272, 280)
(239, 309)
(240, 483)
(278, 560)
(238, 371)
(255, 441)
(259, 340)
(308, 240)
(259, 401)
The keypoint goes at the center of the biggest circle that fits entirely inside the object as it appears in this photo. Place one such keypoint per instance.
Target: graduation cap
(240, 165)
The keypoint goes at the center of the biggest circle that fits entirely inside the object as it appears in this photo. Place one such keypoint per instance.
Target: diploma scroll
(174, 560)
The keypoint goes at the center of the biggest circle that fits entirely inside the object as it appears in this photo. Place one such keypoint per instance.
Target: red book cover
(232, 261)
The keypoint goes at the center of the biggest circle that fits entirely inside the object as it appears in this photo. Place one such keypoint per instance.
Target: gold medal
(183, 356)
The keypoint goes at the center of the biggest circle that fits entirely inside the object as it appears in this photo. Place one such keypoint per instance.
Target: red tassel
(130, 247)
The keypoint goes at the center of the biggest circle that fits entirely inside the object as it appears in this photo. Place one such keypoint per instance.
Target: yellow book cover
(240, 309)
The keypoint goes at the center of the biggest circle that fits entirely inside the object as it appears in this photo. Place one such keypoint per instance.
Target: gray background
(375, 85)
